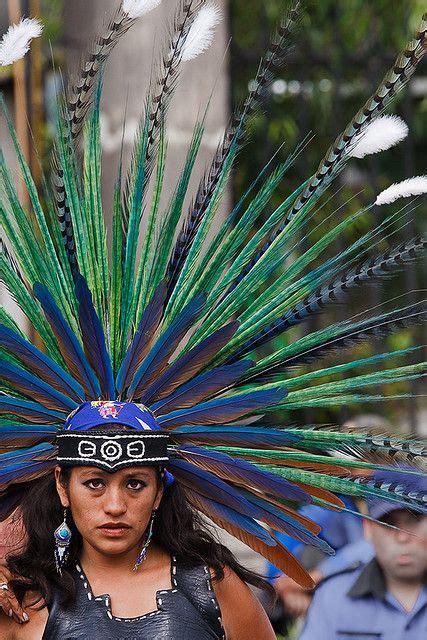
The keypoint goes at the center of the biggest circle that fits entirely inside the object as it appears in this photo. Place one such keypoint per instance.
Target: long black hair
(178, 528)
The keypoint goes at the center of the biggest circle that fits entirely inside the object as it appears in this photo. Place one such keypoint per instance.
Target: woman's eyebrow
(137, 472)
(91, 472)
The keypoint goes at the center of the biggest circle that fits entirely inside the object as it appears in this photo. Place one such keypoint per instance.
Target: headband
(111, 451)
(84, 442)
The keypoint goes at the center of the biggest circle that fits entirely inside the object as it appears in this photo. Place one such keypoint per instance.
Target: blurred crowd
(373, 587)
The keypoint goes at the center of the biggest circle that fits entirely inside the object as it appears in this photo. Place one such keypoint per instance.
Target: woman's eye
(136, 484)
(94, 484)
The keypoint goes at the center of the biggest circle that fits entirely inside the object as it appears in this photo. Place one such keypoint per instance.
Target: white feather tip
(381, 134)
(201, 33)
(410, 187)
(137, 8)
(17, 39)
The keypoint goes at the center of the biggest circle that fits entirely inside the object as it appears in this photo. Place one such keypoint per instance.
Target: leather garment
(187, 611)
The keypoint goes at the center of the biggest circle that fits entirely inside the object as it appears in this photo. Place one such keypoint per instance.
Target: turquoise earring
(62, 537)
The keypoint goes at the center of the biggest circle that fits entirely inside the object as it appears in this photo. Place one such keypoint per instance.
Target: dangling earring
(140, 559)
(62, 537)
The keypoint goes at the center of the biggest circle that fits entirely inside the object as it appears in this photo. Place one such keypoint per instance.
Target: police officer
(385, 599)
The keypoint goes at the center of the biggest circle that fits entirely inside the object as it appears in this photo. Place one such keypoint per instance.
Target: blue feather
(94, 339)
(211, 486)
(143, 337)
(223, 410)
(243, 435)
(25, 435)
(25, 472)
(283, 522)
(23, 455)
(21, 463)
(203, 386)
(32, 411)
(165, 345)
(244, 473)
(71, 348)
(237, 519)
(189, 364)
(28, 384)
(40, 363)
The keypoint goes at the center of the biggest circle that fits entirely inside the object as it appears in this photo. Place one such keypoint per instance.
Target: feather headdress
(178, 328)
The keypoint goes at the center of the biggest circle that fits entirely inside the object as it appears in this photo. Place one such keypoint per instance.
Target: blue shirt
(338, 529)
(355, 605)
(355, 553)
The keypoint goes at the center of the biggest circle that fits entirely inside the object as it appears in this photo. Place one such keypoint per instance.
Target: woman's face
(111, 510)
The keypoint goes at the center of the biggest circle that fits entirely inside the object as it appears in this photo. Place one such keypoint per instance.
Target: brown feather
(323, 494)
(278, 555)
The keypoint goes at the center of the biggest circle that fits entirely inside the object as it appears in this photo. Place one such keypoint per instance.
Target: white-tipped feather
(380, 135)
(137, 8)
(201, 32)
(16, 41)
(410, 187)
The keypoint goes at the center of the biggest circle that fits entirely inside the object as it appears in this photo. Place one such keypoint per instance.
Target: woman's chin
(114, 546)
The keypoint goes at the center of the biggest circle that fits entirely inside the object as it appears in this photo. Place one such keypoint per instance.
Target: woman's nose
(114, 502)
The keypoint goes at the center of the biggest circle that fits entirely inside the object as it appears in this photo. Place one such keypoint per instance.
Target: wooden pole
(37, 106)
(20, 100)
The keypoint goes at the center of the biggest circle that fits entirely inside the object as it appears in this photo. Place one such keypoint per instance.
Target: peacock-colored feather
(40, 364)
(14, 435)
(208, 484)
(92, 205)
(94, 340)
(277, 554)
(143, 338)
(31, 411)
(235, 436)
(224, 409)
(71, 348)
(29, 306)
(172, 215)
(31, 386)
(242, 473)
(148, 248)
(188, 365)
(157, 358)
(204, 386)
(114, 307)
(233, 137)
(334, 338)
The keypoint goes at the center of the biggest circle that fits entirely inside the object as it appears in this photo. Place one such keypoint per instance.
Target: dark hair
(178, 528)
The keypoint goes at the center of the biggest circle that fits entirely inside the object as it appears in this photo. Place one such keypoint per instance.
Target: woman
(185, 586)
(166, 321)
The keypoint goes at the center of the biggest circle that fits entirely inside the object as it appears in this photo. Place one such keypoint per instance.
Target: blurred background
(341, 51)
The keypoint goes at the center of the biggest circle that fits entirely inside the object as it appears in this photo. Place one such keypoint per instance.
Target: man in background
(385, 599)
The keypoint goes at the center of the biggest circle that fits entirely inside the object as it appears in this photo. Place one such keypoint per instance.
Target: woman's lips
(113, 530)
